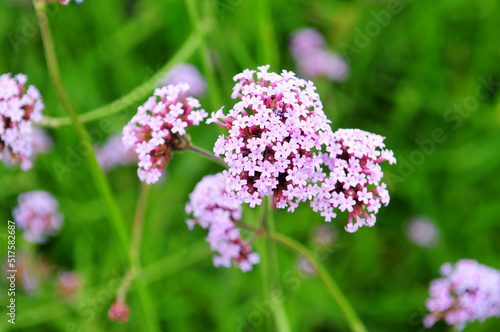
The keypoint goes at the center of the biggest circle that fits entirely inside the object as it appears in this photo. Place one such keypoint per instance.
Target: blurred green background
(434, 66)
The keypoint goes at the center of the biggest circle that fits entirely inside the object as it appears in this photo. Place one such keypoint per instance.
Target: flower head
(354, 182)
(62, 2)
(422, 231)
(19, 108)
(119, 311)
(274, 132)
(157, 128)
(314, 59)
(67, 284)
(37, 215)
(215, 210)
(113, 153)
(32, 271)
(467, 292)
(186, 73)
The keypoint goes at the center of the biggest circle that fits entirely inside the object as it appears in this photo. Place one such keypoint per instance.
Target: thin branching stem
(355, 324)
(100, 180)
(206, 154)
(137, 94)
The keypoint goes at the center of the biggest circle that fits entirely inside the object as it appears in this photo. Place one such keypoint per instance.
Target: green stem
(279, 311)
(198, 27)
(136, 95)
(265, 266)
(100, 180)
(206, 154)
(355, 324)
(352, 318)
(268, 51)
(140, 211)
(163, 268)
(135, 273)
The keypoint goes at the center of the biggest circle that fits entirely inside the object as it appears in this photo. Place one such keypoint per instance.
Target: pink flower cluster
(273, 134)
(157, 128)
(67, 284)
(277, 133)
(19, 108)
(467, 292)
(37, 215)
(422, 231)
(62, 2)
(215, 210)
(113, 153)
(354, 183)
(314, 59)
(186, 73)
(38, 140)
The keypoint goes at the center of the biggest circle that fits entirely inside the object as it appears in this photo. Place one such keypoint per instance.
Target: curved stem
(136, 95)
(268, 50)
(206, 154)
(279, 312)
(198, 27)
(140, 211)
(100, 180)
(135, 273)
(351, 316)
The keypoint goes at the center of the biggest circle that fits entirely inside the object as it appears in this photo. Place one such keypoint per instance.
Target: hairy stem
(100, 180)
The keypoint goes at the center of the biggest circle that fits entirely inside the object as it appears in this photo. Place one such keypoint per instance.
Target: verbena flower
(157, 128)
(39, 142)
(113, 153)
(324, 235)
(467, 292)
(62, 2)
(68, 284)
(215, 210)
(19, 108)
(274, 132)
(119, 311)
(32, 271)
(186, 73)
(314, 59)
(354, 182)
(37, 215)
(280, 144)
(305, 267)
(422, 231)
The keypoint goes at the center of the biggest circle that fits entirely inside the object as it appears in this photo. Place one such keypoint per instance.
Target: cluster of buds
(19, 108)
(119, 311)
(158, 128)
(215, 210)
